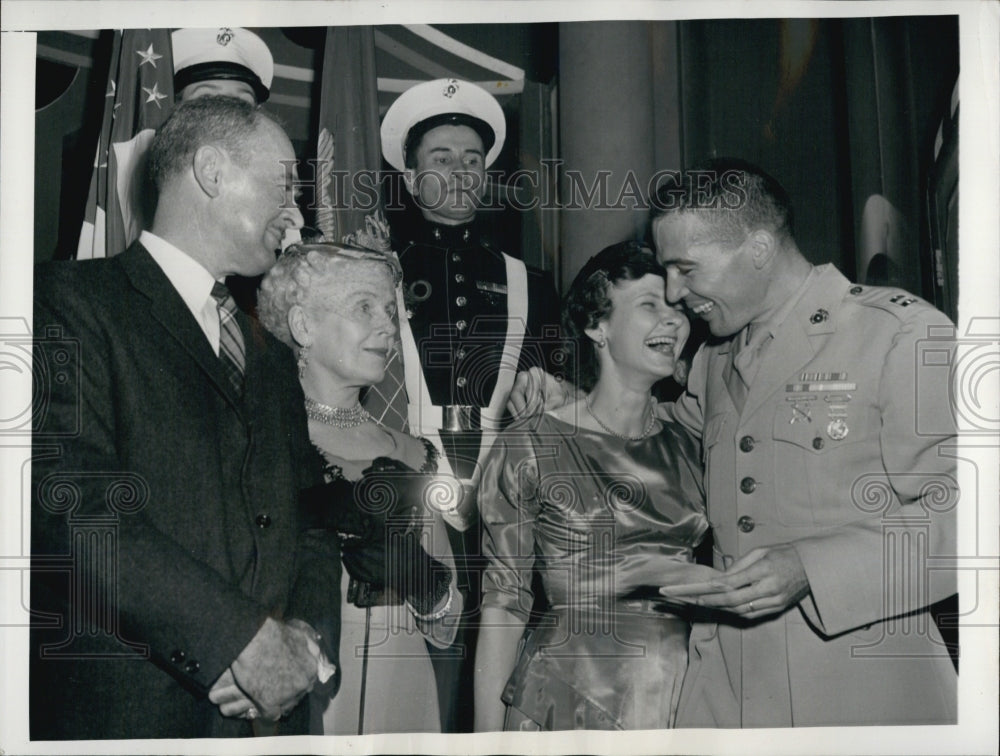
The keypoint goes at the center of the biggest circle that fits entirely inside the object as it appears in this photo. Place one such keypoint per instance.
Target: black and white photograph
(507, 377)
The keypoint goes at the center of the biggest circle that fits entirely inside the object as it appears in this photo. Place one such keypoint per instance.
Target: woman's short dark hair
(588, 300)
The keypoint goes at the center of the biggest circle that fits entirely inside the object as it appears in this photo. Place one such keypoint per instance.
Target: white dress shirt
(191, 280)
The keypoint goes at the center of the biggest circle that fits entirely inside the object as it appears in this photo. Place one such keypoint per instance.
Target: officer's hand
(536, 391)
(762, 582)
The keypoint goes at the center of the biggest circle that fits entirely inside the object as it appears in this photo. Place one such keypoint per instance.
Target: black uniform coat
(456, 295)
(174, 499)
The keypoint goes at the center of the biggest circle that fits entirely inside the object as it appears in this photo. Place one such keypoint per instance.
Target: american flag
(138, 98)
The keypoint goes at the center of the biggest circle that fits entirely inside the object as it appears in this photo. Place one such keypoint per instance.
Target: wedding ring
(751, 606)
(252, 713)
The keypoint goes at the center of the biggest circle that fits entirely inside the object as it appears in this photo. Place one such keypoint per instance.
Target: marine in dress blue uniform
(471, 316)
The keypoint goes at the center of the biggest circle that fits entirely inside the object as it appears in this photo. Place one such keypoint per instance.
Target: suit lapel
(171, 312)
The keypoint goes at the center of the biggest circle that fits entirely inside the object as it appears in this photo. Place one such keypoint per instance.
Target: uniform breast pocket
(818, 458)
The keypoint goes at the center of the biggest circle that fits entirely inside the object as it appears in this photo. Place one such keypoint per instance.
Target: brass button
(455, 257)
(746, 444)
(748, 485)
(460, 301)
(263, 521)
(818, 443)
(460, 354)
(459, 278)
(461, 325)
(746, 524)
(856, 290)
(461, 381)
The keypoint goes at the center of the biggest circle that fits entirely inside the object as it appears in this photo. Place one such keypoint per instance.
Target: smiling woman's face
(644, 334)
(350, 314)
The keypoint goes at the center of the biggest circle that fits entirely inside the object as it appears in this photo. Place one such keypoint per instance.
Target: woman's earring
(303, 360)
(601, 344)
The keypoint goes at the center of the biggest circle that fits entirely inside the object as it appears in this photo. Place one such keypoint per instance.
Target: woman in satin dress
(335, 305)
(603, 500)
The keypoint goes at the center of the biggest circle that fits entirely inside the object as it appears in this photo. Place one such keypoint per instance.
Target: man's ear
(208, 163)
(410, 180)
(298, 325)
(762, 245)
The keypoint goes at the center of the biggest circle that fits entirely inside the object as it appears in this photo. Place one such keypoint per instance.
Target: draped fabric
(600, 520)
(349, 112)
(138, 98)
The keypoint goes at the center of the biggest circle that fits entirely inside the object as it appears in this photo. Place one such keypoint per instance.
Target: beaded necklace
(645, 433)
(338, 417)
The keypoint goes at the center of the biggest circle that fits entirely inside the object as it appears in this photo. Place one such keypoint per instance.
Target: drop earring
(303, 360)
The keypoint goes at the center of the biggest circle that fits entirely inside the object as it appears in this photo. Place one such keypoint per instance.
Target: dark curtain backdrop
(839, 111)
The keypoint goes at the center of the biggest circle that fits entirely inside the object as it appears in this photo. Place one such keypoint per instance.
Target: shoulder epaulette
(899, 302)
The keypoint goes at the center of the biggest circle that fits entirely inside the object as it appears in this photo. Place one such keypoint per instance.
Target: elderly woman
(603, 500)
(335, 306)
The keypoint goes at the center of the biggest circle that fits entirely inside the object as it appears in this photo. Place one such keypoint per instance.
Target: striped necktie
(231, 349)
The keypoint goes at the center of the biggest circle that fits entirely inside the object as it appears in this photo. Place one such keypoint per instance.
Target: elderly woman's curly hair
(588, 300)
(302, 271)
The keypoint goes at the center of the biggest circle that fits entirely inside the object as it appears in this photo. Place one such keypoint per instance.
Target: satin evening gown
(588, 512)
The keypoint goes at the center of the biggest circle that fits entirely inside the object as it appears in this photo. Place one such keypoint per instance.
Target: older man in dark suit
(174, 591)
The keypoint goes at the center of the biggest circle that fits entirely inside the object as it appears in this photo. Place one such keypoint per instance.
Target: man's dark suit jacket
(164, 511)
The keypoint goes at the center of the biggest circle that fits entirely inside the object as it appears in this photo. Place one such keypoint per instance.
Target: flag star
(148, 56)
(155, 95)
(112, 88)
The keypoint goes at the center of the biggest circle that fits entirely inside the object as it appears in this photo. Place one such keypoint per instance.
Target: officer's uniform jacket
(844, 447)
(458, 301)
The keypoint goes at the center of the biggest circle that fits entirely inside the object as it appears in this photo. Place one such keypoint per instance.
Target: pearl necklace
(338, 417)
(645, 433)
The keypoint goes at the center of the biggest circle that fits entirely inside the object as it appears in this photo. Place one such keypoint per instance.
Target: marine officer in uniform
(826, 437)
(471, 315)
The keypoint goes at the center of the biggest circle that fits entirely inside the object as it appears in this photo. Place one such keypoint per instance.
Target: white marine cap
(440, 102)
(225, 53)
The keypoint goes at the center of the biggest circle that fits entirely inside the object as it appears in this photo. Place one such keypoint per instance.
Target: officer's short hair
(588, 300)
(224, 121)
(731, 196)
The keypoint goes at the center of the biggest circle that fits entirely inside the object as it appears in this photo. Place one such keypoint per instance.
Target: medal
(837, 429)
